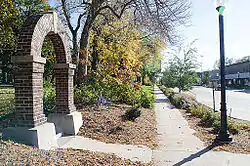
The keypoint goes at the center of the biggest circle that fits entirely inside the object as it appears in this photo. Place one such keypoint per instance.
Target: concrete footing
(42, 137)
(66, 124)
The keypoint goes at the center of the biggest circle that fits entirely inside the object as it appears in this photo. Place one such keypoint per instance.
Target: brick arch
(59, 47)
(29, 68)
(36, 28)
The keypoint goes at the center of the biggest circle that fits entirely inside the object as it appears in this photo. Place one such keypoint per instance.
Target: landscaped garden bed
(107, 124)
(18, 154)
(207, 124)
(104, 123)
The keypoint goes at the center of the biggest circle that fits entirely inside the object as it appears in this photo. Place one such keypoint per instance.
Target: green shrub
(87, 94)
(233, 127)
(117, 93)
(178, 101)
(216, 125)
(7, 102)
(199, 111)
(207, 118)
(169, 93)
(132, 113)
(147, 99)
(49, 97)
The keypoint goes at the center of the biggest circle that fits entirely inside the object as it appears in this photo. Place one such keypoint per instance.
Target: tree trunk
(75, 56)
(84, 41)
(95, 58)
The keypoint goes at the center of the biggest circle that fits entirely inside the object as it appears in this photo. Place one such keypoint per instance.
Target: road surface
(238, 101)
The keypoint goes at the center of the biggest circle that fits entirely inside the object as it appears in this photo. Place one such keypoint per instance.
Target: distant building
(238, 74)
(214, 76)
(199, 74)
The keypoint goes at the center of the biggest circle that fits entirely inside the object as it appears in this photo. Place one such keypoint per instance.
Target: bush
(148, 84)
(49, 97)
(233, 127)
(178, 101)
(7, 101)
(132, 113)
(208, 118)
(86, 94)
(216, 125)
(169, 93)
(117, 93)
(147, 98)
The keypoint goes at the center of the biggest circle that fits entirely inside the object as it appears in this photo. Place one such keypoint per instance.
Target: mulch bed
(240, 144)
(106, 124)
(101, 123)
(17, 154)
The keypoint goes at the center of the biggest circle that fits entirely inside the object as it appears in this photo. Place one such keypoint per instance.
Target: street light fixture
(223, 135)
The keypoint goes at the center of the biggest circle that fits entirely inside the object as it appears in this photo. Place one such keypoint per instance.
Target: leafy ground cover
(108, 125)
(16, 154)
(207, 124)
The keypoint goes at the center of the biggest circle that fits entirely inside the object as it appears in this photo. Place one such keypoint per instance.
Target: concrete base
(42, 137)
(66, 124)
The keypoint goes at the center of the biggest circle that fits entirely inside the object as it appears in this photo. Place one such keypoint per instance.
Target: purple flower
(103, 101)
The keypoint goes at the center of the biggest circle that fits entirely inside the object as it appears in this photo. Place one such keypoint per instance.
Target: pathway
(178, 145)
(134, 153)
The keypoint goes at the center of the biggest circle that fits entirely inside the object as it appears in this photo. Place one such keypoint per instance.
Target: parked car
(218, 87)
(198, 84)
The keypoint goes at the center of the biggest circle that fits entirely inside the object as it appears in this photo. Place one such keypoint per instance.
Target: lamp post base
(224, 138)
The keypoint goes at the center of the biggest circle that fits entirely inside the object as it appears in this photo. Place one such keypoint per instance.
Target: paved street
(238, 101)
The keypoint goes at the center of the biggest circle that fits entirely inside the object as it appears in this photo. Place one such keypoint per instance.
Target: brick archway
(28, 72)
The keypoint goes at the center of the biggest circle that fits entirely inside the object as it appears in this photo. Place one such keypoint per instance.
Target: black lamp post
(223, 135)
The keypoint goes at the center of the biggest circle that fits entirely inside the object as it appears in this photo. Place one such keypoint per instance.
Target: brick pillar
(28, 93)
(64, 88)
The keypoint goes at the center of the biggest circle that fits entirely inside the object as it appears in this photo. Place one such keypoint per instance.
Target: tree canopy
(181, 70)
(118, 52)
(12, 16)
(152, 18)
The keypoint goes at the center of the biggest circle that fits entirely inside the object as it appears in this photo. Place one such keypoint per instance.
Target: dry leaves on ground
(240, 144)
(17, 154)
(107, 125)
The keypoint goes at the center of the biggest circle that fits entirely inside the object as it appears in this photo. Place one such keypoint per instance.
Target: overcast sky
(204, 27)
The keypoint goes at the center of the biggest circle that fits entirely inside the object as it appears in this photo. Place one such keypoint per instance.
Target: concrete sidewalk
(134, 153)
(179, 146)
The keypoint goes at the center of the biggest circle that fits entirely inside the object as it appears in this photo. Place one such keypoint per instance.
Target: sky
(205, 28)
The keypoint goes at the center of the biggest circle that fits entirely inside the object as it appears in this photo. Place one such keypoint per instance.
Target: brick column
(28, 92)
(64, 88)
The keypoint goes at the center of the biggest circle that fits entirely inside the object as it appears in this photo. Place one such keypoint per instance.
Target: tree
(153, 17)
(243, 59)
(8, 14)
(88, 11)
(228, 61)
(119, 52)
(48, 52)
(151, 67)
(205, 77)
(12, 16)
(181, 71)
